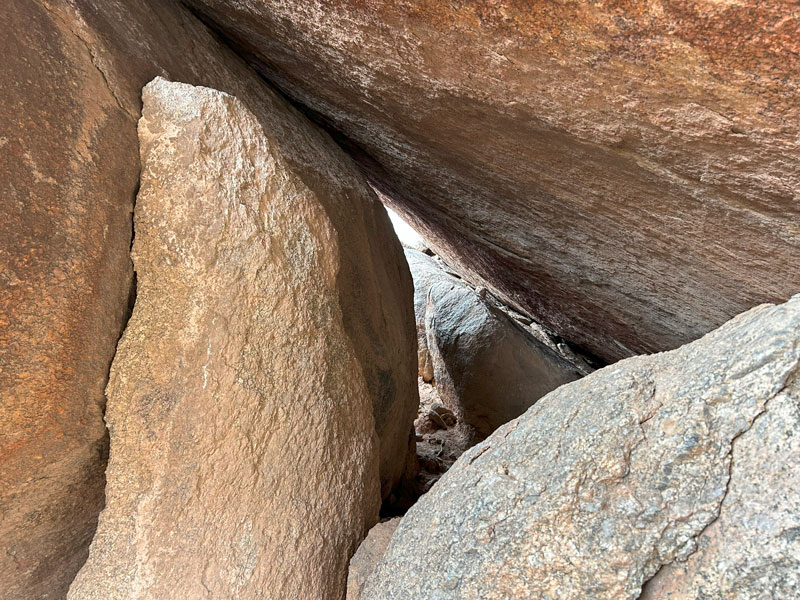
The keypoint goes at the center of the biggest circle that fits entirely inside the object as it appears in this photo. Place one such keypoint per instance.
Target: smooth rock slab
(485, 367)
(682, 464)
(244, 458)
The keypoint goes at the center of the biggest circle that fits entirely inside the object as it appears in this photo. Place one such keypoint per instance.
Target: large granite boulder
(244, 456)
(72, 75)
(626, 173)
(486, 368)
(752, 550)
(680, 467)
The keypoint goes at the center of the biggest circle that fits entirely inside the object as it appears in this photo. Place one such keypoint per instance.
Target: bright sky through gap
(406, 235)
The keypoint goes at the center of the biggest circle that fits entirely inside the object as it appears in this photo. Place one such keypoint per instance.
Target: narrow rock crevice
(583, 416)
(93, 58)
(647, 590)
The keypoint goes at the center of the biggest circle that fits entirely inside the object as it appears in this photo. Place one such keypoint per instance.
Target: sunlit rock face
(626, 173)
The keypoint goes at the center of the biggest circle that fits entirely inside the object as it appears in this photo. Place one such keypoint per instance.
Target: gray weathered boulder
(425, 272)
(244, 456)
(485, 367)
(680, 465)
(752, 550)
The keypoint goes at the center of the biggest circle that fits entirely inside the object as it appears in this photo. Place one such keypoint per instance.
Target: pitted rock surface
(72, 77)
(244, 456)
(752, 550)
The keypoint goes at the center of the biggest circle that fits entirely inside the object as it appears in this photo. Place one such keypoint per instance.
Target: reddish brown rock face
(72, 75)
(627, 172)
(67, 177)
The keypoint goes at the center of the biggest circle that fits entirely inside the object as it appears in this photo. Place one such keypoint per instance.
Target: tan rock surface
(367, 556)
(679, 465)
(625, 172)
(72, 76)
(244, 457)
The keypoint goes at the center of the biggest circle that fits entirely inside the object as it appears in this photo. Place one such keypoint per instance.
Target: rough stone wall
(72, 76)
(244, 456)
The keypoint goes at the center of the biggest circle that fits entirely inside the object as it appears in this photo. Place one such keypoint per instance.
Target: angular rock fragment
(680, 467)
(367, 556)
(244, 456)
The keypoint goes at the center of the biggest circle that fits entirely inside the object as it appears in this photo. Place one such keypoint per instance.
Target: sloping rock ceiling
(240, 423)
(625, 171)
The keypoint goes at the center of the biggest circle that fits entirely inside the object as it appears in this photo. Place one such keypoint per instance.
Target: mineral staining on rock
(64, 284)
(627, 173)
(678, 467)
(244, 456)
(72, 76)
